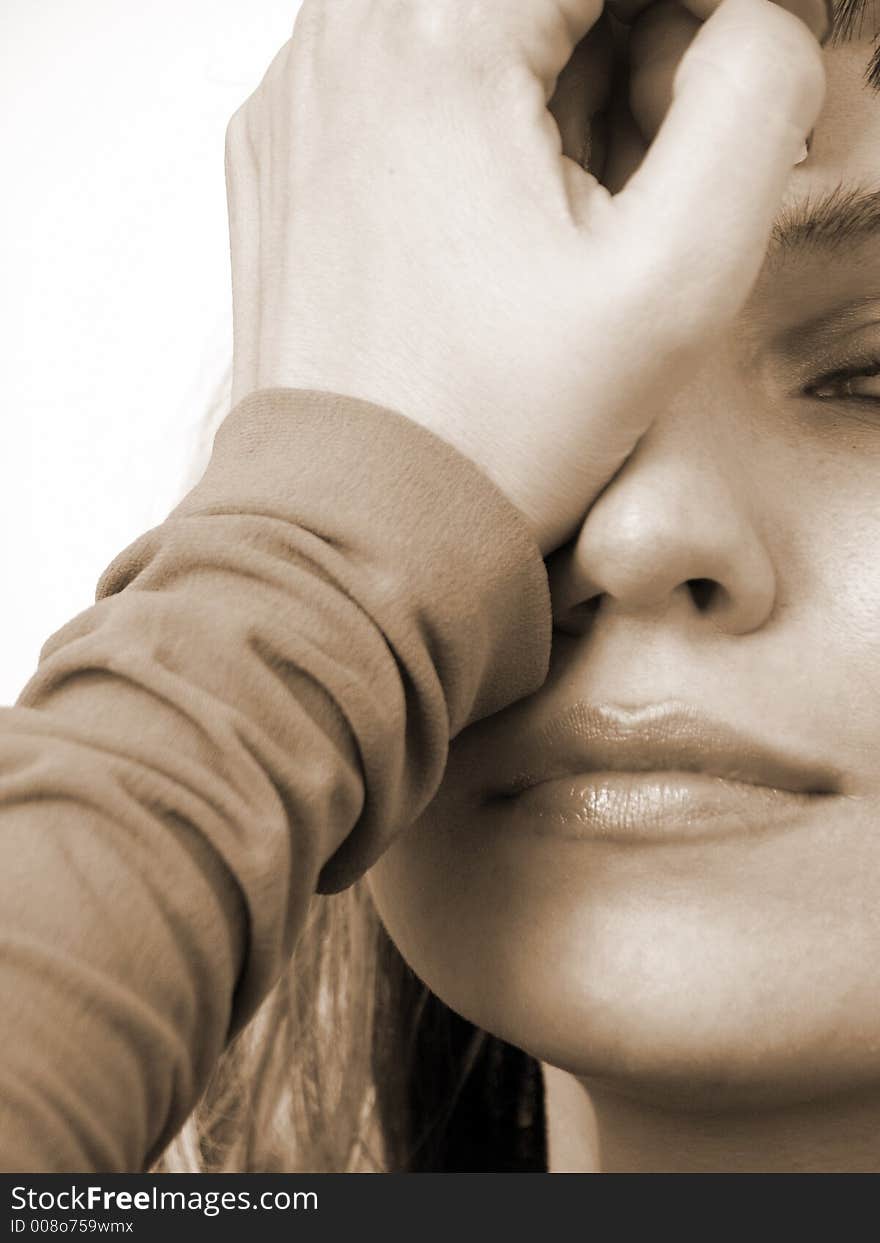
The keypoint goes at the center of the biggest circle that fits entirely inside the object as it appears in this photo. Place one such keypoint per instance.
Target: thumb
(746, 94)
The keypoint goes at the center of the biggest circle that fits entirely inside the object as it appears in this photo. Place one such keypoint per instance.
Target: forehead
(846, 142)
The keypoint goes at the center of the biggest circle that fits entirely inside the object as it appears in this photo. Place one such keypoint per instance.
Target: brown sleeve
(262, 695)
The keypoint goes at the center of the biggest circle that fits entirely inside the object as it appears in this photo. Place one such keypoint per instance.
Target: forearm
(262, 696)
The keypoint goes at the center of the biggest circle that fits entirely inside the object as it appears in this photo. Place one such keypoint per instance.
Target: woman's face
(692, 910)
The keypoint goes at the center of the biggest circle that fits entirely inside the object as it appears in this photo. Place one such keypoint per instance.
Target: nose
(677, 522)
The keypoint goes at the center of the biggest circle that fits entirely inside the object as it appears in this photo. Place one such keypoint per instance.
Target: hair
(352, 1065)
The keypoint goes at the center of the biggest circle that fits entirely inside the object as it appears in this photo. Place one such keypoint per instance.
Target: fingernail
(817, 14)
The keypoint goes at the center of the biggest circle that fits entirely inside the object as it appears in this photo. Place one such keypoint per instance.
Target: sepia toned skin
(455, 264)
(701, 987)
(674, 913)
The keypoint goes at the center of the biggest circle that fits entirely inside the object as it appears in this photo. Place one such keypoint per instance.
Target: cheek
(441, 915)
(744, 975)
(746, 969)
(828, 648)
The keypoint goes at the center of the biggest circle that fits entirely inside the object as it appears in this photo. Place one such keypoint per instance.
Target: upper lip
(667, 738)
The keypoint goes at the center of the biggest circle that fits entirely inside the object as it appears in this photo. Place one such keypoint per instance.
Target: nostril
(576, 619)
(587, 608)
(703, 592)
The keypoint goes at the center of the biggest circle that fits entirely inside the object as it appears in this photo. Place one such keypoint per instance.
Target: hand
(406, 229)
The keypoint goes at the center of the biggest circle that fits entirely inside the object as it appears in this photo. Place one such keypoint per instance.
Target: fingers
(817, 14)
(658, 40)
(541, 33)
(626, 147)
(546, 32)
(581, 92)
(657, 43)
(746, 94)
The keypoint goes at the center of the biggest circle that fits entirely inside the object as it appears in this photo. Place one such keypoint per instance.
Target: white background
(115, 304)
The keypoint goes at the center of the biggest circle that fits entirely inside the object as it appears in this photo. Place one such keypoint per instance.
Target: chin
(700, 996)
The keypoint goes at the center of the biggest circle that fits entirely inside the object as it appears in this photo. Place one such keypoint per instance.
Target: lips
(666, 738)
(662, 772)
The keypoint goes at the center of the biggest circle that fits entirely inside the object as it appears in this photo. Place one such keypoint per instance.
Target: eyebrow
(841, 217)
(849, 21)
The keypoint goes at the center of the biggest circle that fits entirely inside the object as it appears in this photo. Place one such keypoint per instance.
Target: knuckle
(461, 41)
(426, 25)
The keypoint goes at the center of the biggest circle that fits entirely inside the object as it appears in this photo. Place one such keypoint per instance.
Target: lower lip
(652, 807)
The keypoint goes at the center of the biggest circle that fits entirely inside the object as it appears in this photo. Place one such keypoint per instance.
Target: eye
(857, 383)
